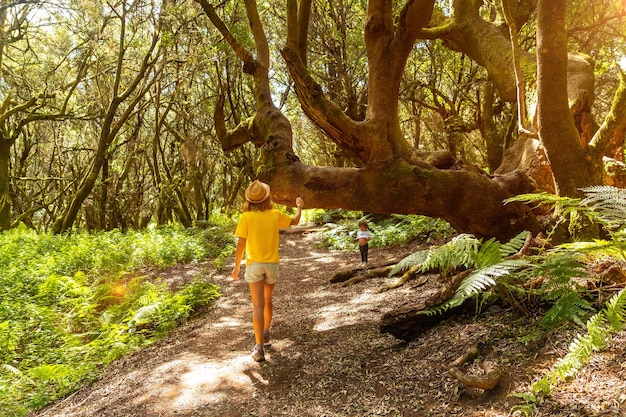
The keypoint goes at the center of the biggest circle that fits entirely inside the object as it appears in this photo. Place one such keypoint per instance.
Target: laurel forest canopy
(116, 114)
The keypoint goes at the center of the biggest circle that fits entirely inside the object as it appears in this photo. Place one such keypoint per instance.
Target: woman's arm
(241, 248)
(296, 218)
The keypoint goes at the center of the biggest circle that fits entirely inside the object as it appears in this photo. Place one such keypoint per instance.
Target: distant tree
(31, 93)
(120, 87)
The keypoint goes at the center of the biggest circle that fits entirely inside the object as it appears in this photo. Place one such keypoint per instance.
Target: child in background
(363, 237)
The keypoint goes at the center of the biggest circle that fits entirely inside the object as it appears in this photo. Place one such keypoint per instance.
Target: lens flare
(118, 290)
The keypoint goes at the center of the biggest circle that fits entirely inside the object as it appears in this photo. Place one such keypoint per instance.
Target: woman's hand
(299, 203)
(235, 273)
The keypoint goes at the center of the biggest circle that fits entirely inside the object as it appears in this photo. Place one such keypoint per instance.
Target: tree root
(488, 381)
(372, 273)
(406, 277)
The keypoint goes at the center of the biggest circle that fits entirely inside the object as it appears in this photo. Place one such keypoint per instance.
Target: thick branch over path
(395, 177)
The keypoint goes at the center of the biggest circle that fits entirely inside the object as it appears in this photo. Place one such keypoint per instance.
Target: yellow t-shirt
(260, 229)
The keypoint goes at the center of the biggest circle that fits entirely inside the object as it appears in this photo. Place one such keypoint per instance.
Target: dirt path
(327, 357)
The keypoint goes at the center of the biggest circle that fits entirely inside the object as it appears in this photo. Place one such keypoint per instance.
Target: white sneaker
(258, 354)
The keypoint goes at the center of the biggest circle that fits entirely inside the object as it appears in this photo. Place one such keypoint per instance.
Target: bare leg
(257, 292)
(269, 307)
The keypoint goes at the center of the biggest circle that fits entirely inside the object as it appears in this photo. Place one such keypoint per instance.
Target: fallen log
(406, 277)
(407, 323)
(342, 276)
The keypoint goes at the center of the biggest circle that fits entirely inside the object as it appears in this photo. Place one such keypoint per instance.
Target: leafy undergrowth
(74, 303)
(328, 357)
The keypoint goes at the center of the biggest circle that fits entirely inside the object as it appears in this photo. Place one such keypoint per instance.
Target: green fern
(606, 204)
(12, 370)
(561, 289)
(414, 259)
(615, 310)
(566, 262)
(597, 249)
(468, 252)
(569, 210)
(562, 205)
(462, 251)
(477, 282)
(51, 372)
(599, 329)
(514, 245)
(146, 314)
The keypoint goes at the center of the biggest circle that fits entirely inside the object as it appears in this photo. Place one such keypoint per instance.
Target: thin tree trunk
(5, 189)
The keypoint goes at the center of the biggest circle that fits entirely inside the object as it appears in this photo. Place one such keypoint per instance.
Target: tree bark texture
(571, 167)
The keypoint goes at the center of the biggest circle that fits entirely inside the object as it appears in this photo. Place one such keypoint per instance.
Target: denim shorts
(259, 271)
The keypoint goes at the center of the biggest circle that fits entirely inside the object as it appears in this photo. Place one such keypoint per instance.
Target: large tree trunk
(405, 188)
(571, 167)
(485, 43)
(560, 85)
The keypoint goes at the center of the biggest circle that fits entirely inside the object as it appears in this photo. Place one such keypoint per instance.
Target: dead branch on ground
(487, 381)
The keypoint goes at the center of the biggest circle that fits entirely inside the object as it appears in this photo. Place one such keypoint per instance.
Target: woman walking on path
(258, 233)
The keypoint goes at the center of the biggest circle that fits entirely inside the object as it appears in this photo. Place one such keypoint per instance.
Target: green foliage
(561, 290)
(568, 209)
(467, 252)
(599, 329)
(68, 306)
(394, 230)
(562, 266)
(462, 250)
(607, 206)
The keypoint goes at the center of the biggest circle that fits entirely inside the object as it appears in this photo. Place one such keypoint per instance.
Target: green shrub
(394, 230)
(65, 312)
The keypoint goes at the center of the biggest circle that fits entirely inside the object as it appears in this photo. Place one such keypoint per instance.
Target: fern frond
(50, 372)
(489, 253)
(569, 306)
(146, 314)
(463, 250)
(584, 346)
(514, 245)
(460, 251)
(561, 268)
(477, 282)
(607, 203)
(12, 370)
(597, 248)
(414, 259)
(545, 199)
(486, 277)
(615, 310)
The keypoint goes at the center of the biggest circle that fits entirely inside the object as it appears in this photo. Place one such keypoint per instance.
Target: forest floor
(328, 357)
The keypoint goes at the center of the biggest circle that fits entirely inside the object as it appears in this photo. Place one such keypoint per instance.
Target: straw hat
(257, 192)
